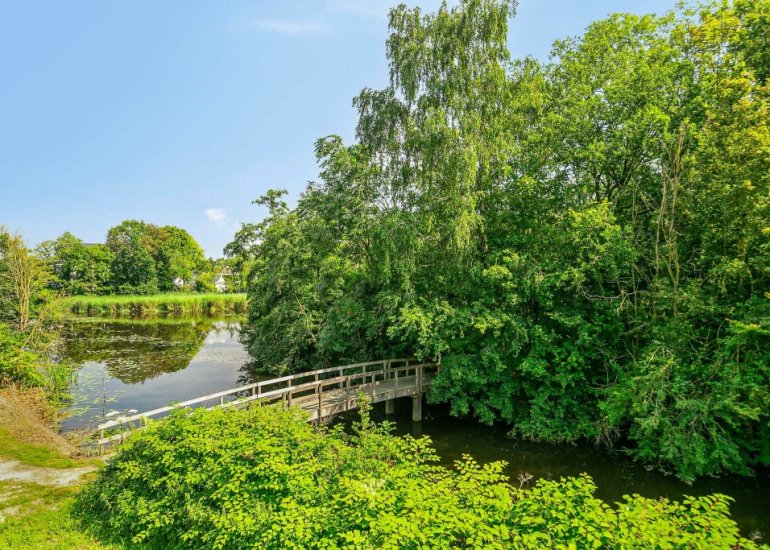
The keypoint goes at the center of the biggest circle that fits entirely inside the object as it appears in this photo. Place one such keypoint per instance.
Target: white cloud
(217, 216)
(288, 27)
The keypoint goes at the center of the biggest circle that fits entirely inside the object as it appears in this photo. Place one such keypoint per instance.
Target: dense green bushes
(263, 477)
(27, 328)
(17, 364)
(583, 243)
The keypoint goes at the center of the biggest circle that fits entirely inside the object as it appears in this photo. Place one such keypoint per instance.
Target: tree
(133, 269)
(172, 250)
(696, 393)
(582, 243)
(27, 308)
(78, 268)
(283, 328)
(23, 280)
(125, 233)
(176, 254)
(240, 254)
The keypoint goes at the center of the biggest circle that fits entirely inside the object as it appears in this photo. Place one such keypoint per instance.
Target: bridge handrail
(262, 383)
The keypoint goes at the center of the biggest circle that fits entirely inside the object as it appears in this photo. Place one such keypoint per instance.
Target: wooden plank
(257, 387)
(395, 382)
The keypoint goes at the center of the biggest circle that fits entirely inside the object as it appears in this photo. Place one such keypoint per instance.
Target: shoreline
(169, 304)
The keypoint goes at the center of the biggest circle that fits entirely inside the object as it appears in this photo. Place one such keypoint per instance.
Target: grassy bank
(155, 304)
(39, 478)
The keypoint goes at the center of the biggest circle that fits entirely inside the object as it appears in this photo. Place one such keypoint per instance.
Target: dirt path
(13, 470)
(17, 474)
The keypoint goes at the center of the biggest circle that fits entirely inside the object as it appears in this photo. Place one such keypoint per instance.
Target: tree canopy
(137, 258)
(582, 243)
(151, 257)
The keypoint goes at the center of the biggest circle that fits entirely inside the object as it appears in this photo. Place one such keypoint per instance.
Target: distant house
(220, 284)
(178, 282)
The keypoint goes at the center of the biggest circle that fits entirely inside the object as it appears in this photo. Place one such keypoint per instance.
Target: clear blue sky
(181, 112)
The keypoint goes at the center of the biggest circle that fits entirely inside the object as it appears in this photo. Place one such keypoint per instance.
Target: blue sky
(182, 112)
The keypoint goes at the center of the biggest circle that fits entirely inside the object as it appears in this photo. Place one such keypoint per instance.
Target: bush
(204, 285)
(263, 477)
(17, 364)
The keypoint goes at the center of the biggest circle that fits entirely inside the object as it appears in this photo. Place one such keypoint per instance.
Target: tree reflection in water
(136, 351)
(126, 364)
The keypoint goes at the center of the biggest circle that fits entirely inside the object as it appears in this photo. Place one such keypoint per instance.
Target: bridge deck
(321, 393)
(340, 400)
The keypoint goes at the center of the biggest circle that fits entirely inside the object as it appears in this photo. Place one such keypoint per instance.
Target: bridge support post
(389, 406)
(417, 407)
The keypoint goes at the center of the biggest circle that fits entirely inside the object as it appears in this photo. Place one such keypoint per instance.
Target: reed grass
(184, 319)
(170, 304)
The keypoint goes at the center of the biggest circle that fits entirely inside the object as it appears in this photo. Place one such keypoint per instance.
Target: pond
(130, 364)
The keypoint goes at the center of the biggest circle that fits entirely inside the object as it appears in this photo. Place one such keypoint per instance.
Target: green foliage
(240, 255)
(27, 360)
(583, 243)
(24, 283)
(264, 477)
(27, 322)
(138, 258)
(133, 269)
(17, 364)
(176, 303)
(176, 254)
(149, 257)
(79, 268)
(204, 284)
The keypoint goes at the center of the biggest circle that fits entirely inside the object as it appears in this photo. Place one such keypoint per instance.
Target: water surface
(140, 365)
(612, 471)
(127, 365)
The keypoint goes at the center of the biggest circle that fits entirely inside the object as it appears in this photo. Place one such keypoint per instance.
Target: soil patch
(26, 418)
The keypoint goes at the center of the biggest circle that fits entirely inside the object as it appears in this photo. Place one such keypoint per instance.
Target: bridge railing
(291, 389)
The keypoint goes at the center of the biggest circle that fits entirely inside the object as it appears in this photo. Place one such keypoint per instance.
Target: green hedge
(263, 477)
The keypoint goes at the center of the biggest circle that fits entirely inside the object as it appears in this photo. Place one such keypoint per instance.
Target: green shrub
(204, 285)
(17, 364)
(263, 477)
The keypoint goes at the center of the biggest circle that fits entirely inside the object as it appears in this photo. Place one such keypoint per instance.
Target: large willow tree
(584, 244)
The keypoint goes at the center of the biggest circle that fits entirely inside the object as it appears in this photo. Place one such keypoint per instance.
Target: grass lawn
(32, 454)
(38, 516)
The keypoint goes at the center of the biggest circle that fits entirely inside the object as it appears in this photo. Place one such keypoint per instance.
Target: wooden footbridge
(321, 393)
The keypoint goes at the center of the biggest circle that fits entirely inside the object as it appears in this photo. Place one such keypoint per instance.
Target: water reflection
(129, 365)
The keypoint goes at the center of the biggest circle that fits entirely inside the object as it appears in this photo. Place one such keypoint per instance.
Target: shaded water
(136, 364)
(613, 472)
